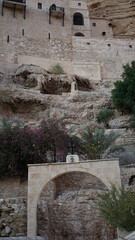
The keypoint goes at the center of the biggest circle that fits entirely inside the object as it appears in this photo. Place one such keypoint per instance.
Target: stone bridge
(39, 175)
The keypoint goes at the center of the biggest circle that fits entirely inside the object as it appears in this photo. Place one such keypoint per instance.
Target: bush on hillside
(57, 69)
(22, 145)
(104, 116)
(118, 208)
(123, 95)
(97, 142)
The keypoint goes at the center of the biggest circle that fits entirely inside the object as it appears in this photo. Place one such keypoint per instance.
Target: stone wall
(36, 24)
(13, 217)
(35, 47)
(111, 54)
(13, 207)
(100, 60)
(67, 209)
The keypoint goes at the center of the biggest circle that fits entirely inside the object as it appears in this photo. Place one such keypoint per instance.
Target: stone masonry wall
(35, 47)
(13, 217)
(111, 54)
(79, 55)
(67, 209)
(13, 207)
(67, 206)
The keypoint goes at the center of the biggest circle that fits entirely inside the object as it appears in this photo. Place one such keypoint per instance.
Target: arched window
(53, 7)
(78, 34)
(78, 19)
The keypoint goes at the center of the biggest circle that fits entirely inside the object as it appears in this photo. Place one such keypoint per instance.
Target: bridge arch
(107, 171)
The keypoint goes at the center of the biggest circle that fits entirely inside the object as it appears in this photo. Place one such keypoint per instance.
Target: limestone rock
(28, 75)
(7, 230)
(119, 12)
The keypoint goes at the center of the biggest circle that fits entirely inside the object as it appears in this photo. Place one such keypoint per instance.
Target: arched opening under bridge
(106, 171)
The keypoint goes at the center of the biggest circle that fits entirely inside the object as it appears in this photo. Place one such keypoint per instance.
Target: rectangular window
(94, 24)
(8, 39)
(79, 4)
(40, 6)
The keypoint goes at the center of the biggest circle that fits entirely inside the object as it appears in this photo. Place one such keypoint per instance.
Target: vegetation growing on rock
(57, 69)
(118, 208)
(97, 142)
(22, 145)
(103, 116)
(123, 95)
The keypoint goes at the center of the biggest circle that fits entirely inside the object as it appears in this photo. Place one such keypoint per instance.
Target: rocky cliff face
(33, 94)
(120, 12)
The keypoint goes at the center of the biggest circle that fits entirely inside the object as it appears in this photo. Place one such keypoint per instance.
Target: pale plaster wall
(111, 54)
(104, 56)
(101, 26)
(41, 174)
(36, 25)
(107, 54)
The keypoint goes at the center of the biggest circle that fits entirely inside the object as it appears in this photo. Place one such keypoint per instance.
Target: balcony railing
(56, 11)
(16, 1)
(14, 4)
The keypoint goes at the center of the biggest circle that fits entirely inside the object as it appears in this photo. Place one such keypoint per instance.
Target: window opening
(78, 19)
(40, 6)
(78, 34)
(79, 4)
(22, 32)
(53, 7)
(103, 33)
(110, 24)
(94, 24)
(8, 39)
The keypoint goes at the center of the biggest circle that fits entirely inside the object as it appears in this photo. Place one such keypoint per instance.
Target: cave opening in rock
(67, 209)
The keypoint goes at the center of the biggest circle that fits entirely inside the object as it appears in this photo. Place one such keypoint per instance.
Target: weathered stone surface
(13, 217)
(121, 14)
(66, 194)
(71, 211)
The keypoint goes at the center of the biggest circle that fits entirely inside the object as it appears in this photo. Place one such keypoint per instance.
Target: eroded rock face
(31, 77)
(121, 12)
(67, 209)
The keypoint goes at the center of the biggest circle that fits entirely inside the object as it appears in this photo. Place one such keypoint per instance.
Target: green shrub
(123, 95)
(104, 116)
(97, 142)
(118, 208)
(116, 148)
(57, 69)
(132, 122)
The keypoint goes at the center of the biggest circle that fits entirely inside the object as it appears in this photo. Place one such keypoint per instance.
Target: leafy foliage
(104, 116)
(118, 208)
(22, 145)
(116, 148)
(97, 142)
(123, 95)
(132, 122)
(57, 69)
